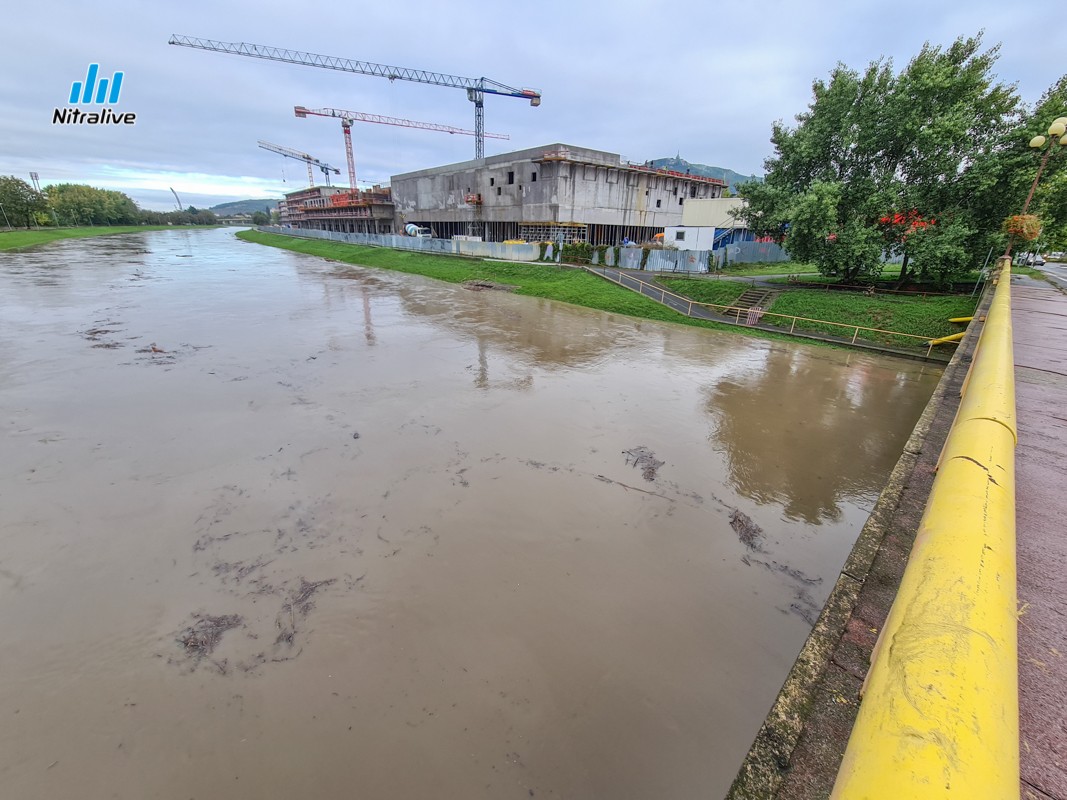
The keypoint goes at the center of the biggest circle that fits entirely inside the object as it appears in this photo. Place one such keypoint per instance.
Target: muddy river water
(275, 527)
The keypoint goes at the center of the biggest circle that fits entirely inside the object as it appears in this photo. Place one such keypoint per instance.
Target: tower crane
(476, 88)
(309, 160)
(348, 117)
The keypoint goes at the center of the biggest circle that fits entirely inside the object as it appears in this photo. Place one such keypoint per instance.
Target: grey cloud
(642, 79)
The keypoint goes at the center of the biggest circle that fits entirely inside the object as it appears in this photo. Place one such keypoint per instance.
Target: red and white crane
(348, 117)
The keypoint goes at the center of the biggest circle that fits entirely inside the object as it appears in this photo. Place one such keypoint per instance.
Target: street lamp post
(1057, 134)
(1057, 131)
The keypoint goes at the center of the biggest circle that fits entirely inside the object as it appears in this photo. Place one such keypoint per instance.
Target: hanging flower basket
(1025, 227)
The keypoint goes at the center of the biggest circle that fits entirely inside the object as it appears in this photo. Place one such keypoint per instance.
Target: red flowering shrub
(898, 225)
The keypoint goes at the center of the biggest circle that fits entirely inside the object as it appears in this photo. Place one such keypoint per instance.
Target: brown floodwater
(272, 526)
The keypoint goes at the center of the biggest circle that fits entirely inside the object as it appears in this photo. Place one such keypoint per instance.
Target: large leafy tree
(85, 205)
(19, 200)
(924, 144)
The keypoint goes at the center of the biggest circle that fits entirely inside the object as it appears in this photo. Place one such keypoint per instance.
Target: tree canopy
(78, 204)
(924, 163)
(19, 200)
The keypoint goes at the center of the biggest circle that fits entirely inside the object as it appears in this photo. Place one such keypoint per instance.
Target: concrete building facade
(547, 193)
(335, 208)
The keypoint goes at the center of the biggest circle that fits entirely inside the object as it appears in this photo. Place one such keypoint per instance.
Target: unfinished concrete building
(335, 208)
(546, 193)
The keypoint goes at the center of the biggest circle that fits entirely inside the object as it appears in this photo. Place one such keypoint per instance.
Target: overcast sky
(643, 79)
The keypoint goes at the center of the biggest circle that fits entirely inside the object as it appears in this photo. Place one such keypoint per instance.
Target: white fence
(508, 252)
(625, 257)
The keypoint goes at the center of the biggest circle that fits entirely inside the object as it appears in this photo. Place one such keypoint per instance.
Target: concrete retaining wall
(799, 748)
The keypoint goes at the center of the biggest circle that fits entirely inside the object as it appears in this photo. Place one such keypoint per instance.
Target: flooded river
(275, 527)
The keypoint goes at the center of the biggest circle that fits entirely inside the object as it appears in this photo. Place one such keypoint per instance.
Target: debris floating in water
(644, 458)
(750, 534)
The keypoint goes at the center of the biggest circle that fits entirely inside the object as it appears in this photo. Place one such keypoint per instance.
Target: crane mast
(348, 117)
(476, 88)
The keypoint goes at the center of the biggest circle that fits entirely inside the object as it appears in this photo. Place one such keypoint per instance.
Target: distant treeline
(76, 204)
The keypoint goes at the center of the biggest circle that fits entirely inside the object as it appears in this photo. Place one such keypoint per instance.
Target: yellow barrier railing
(739, 312)
(940, 710)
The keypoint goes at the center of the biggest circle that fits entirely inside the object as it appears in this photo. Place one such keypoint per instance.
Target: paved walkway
(1039, 325)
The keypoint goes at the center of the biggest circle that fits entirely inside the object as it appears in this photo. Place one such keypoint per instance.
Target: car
(1035, 261)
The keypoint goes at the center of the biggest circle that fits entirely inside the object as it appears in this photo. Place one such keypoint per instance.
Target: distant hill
(681, 165)
(243, 207)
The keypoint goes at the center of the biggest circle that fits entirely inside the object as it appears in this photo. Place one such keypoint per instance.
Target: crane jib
(476, 87)
(352, 65)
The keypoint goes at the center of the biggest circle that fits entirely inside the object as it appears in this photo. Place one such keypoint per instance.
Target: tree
(19, 200)
(924, 144)
(84, 205)
(259, 218)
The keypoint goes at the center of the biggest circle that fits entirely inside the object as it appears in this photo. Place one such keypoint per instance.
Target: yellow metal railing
(739, 312)
(940, 710)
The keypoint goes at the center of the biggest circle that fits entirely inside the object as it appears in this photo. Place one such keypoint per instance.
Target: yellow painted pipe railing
(952, 337)
(940, 710)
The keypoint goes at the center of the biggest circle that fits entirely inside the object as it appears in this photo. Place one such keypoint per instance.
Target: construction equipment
(476, 88)
(348, 117)
(177, 200)
(309, 160)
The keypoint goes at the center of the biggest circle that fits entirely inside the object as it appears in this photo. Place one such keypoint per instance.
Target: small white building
(707, 225)
(689, 237)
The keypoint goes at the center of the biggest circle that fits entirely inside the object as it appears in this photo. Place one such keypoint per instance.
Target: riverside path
(1039, 323)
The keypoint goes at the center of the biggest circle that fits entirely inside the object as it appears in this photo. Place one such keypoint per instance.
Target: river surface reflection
(272, 526)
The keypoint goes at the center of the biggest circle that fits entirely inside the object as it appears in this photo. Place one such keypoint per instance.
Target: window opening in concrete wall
(499, 189)
(533, 177)
(492, 181)
(659, 203)
(681, 200)
(679, 236)
(511, 178)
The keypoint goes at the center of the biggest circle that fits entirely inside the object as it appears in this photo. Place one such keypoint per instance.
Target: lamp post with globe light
(1057, 132)
(1057, 139)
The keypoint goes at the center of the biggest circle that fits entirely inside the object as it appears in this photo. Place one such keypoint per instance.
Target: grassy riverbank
(773, 268)
(919, 316)
(573, 286)
(11, 240)
(720, 293)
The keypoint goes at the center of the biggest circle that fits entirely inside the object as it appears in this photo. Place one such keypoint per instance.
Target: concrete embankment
(798, 750)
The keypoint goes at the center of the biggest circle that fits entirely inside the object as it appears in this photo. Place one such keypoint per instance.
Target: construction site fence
(457, 247)
(750, 253)
(657, 260)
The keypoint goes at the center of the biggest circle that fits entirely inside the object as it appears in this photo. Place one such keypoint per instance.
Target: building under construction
(547, 193)
(334, 208)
